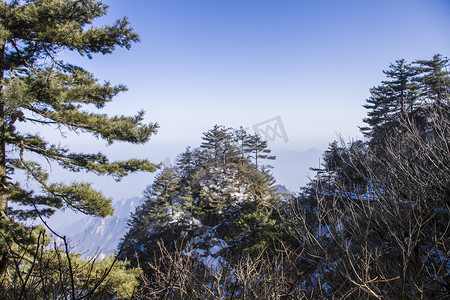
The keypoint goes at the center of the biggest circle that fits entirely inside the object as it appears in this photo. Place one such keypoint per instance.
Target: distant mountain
(291, 168)
(283, 192)
(281, 189)
(100, 236)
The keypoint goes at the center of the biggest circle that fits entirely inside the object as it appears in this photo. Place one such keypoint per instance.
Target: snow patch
(214, 264)
(220, 244)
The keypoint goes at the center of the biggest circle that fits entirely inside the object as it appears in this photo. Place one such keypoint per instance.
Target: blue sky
(241, 62)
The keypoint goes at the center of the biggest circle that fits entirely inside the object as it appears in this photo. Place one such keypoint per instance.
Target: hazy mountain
(100, 236)
(291, 168)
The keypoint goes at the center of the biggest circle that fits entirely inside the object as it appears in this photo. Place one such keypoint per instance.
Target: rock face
(100, 236)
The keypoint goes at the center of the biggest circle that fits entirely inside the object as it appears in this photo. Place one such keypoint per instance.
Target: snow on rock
(240, 195)
(175, 216)
(194, 252)
(219, 245)
(213, 263)
(195, 222)
(206, 236)
(210, 256)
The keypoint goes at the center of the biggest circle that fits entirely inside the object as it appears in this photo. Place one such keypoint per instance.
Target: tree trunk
(4, 252)
(3, 178)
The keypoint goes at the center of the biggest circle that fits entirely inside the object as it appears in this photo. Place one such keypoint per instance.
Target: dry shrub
(391, 240)
(176, 275)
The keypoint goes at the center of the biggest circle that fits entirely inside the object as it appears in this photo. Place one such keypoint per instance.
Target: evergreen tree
(380, 111)
(434, 79)
(219, 143)
(38, 88)
(259, 221)
(156, 219)
(403, 88)
(405, 97)
(338, 167)
(258, 149)
(243, 140)
(187, 162)
(217, 202)
(164, 189)
(395, 99)
(213, 141)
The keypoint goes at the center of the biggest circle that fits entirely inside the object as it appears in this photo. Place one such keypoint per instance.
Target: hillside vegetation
(372, 223)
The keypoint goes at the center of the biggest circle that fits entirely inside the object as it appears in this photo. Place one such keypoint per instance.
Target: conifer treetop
(38, 88)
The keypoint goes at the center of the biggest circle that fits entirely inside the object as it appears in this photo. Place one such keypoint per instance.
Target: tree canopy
(215, 196)
(38, 88)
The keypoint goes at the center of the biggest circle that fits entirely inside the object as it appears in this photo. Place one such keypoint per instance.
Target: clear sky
(242, 62)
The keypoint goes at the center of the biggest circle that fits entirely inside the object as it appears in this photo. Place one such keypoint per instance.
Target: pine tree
(405, 98)
(242, 139)
(188, 161)
(253, 224)
(257, 148)
(395, 98)
(434, 78)
(231, 201)
(402, 86)
(156, 218)
(38, 88)
(219, 142)
(213, 141)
